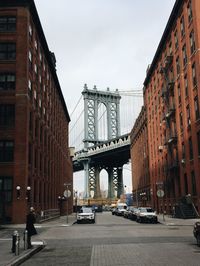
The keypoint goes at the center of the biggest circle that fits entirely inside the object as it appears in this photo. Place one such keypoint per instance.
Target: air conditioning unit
(160, 148)
(183, 161)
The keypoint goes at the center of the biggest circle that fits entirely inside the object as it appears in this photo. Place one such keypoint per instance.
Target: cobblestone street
(116, 241)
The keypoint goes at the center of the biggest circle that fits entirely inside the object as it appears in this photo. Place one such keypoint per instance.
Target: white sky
(108, 43)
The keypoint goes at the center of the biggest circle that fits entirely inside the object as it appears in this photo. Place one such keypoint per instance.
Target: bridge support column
(86, 179)
(111, 194)
(120, 185)
(97, 193)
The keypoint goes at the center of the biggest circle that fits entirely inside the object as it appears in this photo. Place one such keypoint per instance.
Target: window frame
(8, 25)
(7, 51)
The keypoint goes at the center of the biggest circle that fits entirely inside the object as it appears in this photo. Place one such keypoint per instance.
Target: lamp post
(67, 195)
(60, 201)
(75, 194)
(28, 191)
(18, 188)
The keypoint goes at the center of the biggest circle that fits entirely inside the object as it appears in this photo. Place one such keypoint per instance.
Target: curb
(26, 255)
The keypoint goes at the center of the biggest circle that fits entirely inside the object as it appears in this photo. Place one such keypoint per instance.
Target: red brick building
(171, 99)
(140, 161)
(34, 153)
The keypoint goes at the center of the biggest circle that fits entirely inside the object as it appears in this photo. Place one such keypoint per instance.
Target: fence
(46, 215)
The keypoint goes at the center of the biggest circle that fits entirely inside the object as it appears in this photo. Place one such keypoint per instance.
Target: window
(192, 42)
(6, 151)
(177, 66)
(7, 81)
(6, 184)
(7, 115)
(196, 107)
(170, 48)
(182, 27)
(188, 115)
(179, 94)
(184, 55)
(194, 77)
(190, 148)
(30, 31)
(198, 142)
(183, 150)
(194, 190)
(181, 121)
(186, 85)
(7, 51)
(7, 23)
(189, 11)
(176, 39)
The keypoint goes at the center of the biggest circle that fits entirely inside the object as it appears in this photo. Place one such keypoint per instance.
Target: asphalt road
(113, 240)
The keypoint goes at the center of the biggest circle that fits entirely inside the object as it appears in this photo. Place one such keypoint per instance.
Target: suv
(196, 232)
(146, 214)
(86, 214)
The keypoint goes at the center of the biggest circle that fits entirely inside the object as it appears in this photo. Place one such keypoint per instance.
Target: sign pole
(67, 194)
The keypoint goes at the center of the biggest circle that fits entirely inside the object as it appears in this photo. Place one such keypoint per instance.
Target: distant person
(30, 220)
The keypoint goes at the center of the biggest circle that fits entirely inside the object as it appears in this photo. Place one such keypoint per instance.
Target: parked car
(120, 209)
(113, 211)
(146, 214)
(128, 212)
(133, 213)
(196, 232)
(86, 214)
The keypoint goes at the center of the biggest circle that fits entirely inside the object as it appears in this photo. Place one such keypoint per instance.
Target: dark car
(114, 211)
(196, 232)
(133, 214)
(128, 213)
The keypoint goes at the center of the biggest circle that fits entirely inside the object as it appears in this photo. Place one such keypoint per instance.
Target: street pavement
(10, 259)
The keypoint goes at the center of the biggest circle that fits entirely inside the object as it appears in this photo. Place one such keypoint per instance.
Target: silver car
(86, 214)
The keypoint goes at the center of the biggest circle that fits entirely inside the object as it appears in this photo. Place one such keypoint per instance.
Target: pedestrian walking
(30, 220)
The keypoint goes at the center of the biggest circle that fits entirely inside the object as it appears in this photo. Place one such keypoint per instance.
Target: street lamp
(60, 200)
(67, 194)
(18, 188)
(28, 191)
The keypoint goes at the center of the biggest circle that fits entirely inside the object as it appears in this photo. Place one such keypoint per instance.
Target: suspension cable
(76, 105)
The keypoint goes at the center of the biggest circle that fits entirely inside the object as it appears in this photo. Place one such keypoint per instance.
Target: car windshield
(86, 210)
(121, 207)
(146, 210)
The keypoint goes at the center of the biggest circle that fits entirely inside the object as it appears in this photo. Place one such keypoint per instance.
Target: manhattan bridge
(100, 133)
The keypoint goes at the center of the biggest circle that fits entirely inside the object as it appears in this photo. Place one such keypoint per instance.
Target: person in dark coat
(30, 220)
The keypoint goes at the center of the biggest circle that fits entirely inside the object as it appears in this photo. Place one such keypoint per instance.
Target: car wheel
(198, 240)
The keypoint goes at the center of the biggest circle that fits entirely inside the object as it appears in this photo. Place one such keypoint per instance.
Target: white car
(146, 214)
(86, 215)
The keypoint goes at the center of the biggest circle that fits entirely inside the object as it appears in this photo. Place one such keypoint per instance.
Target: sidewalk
(168, 220)
(10, 259)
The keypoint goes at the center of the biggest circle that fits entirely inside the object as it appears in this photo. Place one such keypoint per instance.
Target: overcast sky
(108, 43)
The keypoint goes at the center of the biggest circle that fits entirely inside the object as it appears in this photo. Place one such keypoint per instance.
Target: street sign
(160, 193)
(67, 193)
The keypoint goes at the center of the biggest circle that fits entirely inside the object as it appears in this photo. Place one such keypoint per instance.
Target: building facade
(171, 98)
(34, 154)
(140, 161)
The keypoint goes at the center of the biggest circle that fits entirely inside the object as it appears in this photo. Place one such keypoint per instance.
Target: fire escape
(171, 164)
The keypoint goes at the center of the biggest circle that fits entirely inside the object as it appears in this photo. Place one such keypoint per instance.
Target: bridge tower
(92, 100)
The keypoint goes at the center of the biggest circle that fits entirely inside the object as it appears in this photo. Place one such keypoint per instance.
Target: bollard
(25, 239)
(14, 239)
(17, 244)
